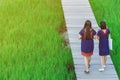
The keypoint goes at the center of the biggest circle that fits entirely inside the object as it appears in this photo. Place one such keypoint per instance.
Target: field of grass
(109, 11)
(30, 45)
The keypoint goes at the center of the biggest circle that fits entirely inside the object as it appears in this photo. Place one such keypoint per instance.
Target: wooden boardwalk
(76, 12)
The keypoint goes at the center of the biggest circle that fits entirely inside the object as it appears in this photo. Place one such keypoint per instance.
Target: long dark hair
(87, 28)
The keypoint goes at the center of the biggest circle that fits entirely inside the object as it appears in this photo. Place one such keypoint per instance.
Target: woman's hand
(79, 37)
(95, 37)
(98, 37)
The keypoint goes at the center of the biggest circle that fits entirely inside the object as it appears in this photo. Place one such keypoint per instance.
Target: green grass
(109, 11)
(30, 45)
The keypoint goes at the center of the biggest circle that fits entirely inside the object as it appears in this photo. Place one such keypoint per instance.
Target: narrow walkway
(76, 12)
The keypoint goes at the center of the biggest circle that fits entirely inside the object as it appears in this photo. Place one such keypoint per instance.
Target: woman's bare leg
(101, 61)
(89, 59)
(105, 59)
(86, 63)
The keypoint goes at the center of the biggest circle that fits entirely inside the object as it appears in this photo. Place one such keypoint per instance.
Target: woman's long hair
(87, 30)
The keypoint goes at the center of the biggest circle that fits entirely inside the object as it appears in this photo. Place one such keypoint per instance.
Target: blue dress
(103, 42)
(87, 46)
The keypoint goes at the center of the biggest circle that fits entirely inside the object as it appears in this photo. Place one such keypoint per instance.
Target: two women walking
(87, 34)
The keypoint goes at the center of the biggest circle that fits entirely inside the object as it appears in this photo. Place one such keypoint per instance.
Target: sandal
(86, 72)
(101, 69)
(89, 66)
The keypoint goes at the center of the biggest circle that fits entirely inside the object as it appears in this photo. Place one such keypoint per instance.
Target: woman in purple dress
(87, 44)
(103, 44)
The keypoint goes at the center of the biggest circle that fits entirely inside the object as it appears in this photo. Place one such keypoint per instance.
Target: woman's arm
(94, 34)
(98, 37)
(99, 34)
(80, 37)
(95, 37)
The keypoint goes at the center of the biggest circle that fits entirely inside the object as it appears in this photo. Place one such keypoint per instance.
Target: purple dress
(87, 46)
(103, 42)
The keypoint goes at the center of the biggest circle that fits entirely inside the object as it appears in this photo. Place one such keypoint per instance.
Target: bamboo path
(76, 12)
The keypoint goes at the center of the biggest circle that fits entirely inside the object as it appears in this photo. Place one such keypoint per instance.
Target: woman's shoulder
(81, 31)
(92, 29)
(99, 30)
(107, 29)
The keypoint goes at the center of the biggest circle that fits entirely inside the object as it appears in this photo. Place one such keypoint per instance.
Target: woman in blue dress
(87, 44)
(103, 44)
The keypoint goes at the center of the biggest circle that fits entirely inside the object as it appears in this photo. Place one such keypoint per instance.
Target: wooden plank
(79, 21)
(79, 17)
(80, 13)
(71, 1)
(75, 4)
(77, 7)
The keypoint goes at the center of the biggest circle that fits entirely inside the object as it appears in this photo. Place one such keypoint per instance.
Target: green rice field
(109, 11)
(31, 47)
